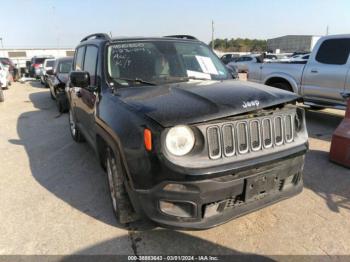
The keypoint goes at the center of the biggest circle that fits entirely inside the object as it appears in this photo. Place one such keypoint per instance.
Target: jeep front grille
(278, 131)
(250, 135)
(213, 134)
(242, 134)
(228, 135)
(267, 132)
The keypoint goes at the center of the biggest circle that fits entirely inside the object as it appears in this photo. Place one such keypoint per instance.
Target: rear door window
(90, 62)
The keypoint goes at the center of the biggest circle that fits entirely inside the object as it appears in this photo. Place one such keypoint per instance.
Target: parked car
(182, 143)
(36, 64)
(11, 67)
(242, 63)
(283, 58)
(5, 76)
(321, 81)
(57, 79)
(299, 58)
(48, 65)
(233, 71)
(299, 53)
(270, 58)
(3, 81)
(227, 58)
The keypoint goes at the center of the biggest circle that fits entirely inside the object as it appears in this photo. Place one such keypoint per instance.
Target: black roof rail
(97, 35)
(182, 37)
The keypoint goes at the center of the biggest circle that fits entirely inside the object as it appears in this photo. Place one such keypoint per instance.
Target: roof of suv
(98, 37)
(63, 59)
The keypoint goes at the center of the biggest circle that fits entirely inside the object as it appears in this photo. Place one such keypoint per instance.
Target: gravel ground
(54, 196)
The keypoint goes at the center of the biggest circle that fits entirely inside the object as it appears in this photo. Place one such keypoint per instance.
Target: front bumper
(217, 200)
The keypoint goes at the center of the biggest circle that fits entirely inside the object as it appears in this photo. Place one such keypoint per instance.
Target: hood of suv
(200, 101)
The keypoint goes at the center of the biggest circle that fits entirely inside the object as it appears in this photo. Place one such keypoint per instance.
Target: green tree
(240, 45)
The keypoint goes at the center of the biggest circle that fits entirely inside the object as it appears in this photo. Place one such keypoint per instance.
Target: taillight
(36, 65)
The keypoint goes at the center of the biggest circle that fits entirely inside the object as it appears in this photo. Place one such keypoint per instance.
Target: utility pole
(2, 44)
(327, 30)
(212, 35)
(110, 33)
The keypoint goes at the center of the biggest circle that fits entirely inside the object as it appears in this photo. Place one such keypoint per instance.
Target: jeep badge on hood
(250, 103)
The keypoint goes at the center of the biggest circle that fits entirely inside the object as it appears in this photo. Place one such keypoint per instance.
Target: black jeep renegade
(182, 142)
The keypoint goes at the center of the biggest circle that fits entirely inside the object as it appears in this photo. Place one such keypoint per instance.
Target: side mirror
(232, 71)
(79, 79)
(49, 72)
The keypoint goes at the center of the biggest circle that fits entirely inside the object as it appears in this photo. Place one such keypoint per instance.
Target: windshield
(158, 62)
(50, 63)
(39, 60)
(65, 67)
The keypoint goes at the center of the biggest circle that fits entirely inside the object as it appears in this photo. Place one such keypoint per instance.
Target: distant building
(292, 43)
(21, 55)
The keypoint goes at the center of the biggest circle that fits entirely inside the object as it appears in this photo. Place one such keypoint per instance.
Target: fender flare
(288, 78)
(112, 140)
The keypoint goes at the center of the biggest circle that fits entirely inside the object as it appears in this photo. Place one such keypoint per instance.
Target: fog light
(179, 209)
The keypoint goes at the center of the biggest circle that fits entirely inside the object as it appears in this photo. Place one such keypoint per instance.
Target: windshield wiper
(184, 78)
(135, 80)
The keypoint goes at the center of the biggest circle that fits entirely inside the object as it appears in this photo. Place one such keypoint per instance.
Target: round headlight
(179, 140)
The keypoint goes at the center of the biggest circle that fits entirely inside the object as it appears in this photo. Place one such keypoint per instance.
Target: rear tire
(282, 85)
(2, 98)
(122, 206)
(74, 130)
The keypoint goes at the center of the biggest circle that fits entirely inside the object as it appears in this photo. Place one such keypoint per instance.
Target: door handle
(314, 71)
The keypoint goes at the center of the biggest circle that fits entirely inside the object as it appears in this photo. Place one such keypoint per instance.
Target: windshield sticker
(121, 53)
(130, 45)
(198, 74)
(207, 65)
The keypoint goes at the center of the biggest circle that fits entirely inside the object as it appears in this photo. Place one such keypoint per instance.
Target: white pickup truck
(320, 81)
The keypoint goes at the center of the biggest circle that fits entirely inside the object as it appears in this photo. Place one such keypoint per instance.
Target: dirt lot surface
(55, 200)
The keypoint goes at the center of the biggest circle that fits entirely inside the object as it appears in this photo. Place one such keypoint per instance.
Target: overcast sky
(62, 23)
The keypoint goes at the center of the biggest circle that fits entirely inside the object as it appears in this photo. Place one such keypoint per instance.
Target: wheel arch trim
(285, 77)
(112, 140)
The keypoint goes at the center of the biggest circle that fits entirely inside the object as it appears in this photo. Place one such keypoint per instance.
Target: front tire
(74, 130)
(282, 85)
(51, 95)
(61, 103)
(6, 87)
(122, 206)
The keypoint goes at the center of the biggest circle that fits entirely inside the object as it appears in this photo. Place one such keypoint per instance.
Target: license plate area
(259, 186)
